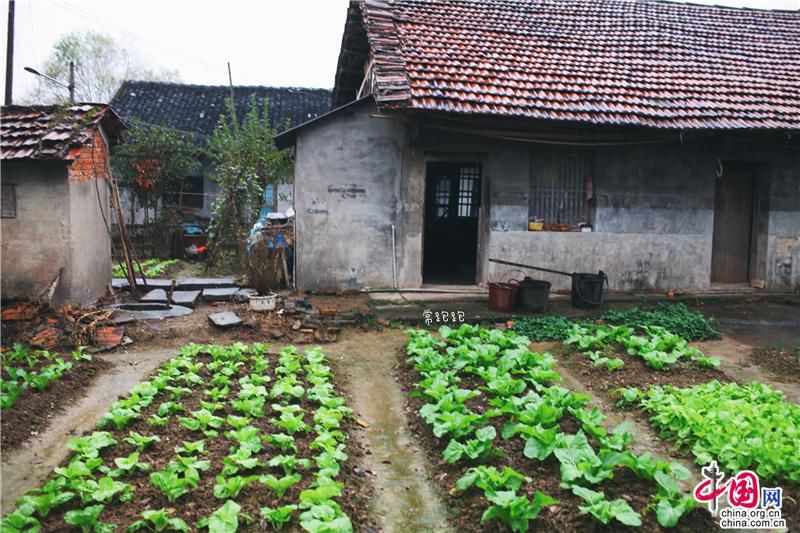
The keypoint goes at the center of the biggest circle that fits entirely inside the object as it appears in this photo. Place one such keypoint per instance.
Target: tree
(101, 64)
(245, 162)
(155, 161)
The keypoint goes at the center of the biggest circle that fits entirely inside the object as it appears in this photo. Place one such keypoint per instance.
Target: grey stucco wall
(58, 225)
(653, 212)
(90, 272)
(36, 243)
(346, 200)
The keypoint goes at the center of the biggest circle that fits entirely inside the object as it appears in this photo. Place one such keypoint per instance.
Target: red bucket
(502, 296)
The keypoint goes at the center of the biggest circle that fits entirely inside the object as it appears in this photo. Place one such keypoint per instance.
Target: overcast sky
(268, 42)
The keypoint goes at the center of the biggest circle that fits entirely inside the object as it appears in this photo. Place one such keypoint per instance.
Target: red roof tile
(624, 62)
(51, 132)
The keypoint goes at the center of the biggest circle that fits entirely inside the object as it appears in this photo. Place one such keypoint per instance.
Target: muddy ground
(408, 497)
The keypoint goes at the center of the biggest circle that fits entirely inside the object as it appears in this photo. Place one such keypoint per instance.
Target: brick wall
(83, 168)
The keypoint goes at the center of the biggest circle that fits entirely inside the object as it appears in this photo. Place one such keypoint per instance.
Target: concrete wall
(348, 173)
(653, 211)
(90, 272)
(35, 244)
(59, 226)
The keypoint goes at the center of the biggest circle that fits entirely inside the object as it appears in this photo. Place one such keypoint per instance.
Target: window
(192, 195)
(469, 191)
(8, 196)
(558, 188)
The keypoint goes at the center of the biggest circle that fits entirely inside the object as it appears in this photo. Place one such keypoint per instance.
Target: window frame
(545, 192)
(5, 188)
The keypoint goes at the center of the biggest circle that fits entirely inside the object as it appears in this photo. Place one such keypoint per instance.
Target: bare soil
(635, 373)
(782, 364)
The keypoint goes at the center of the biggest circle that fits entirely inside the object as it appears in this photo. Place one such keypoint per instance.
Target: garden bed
(217, 435)
(629, 489)
(781, 363)
(38, 384)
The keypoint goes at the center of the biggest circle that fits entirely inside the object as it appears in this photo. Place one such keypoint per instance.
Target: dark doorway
(733, 223)
(452, 202)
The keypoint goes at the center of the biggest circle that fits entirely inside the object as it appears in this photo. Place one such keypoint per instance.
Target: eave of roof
(289, 137)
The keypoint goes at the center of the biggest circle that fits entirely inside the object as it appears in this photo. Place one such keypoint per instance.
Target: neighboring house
(55, 201)
(668, 132)
(196, 109)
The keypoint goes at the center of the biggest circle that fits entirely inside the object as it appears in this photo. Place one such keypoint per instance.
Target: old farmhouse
(656, 141)
(56, 243)
(196, 110)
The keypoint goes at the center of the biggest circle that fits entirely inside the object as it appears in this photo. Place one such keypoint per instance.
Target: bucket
(263, 303)
(587, 289)
(533, 295)
(502, 296)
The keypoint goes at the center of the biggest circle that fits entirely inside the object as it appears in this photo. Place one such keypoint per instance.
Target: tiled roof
(623, 62)
(197, 108)
(52, 132)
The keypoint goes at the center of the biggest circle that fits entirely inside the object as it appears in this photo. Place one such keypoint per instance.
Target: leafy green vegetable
(674, 317)
(280, 485)
(479, 447)
(141, 442)
(87, 519)
(761, 426)
(279, 516)
(605, 511)
(225, 519)
(158, 520)
(514, 510)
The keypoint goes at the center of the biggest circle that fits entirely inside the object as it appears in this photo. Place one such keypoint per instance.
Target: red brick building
(55, 201)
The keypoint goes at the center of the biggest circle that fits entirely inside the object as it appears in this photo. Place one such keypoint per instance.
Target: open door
(452, 203)
(733, 223)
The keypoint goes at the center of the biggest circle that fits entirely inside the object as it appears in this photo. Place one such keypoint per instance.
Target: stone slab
(146, 311)
(155, 296)
(198, 284)
(219, 295)
(225, 319)
(187, 298)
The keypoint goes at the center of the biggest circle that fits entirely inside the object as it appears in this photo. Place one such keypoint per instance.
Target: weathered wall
(90, 270)
(59, 225)
(347, 176)
(35, 244)
(653, 212)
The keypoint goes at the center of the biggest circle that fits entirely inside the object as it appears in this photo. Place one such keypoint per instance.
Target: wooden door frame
(455, 157)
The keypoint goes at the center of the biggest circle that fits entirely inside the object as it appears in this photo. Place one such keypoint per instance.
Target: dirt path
(405, 498)
(28, 466)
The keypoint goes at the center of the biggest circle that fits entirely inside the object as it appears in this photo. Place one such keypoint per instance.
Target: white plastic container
(263, 303)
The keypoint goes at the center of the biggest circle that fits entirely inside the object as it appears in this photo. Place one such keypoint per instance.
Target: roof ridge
(204, 86)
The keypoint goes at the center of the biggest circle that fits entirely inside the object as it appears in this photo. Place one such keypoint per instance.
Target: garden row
(218, 438)
(516, 443)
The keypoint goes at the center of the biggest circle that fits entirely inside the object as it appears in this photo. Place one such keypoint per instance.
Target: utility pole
(10, 54)
(71, 82)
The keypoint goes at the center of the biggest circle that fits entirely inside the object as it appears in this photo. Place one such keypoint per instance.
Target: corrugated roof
(620, 62)
(52, 132)
(197, 108)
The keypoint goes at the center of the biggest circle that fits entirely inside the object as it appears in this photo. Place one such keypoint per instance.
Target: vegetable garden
(220, 437)
(515, 449)
(32, 380)
(520, 445)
